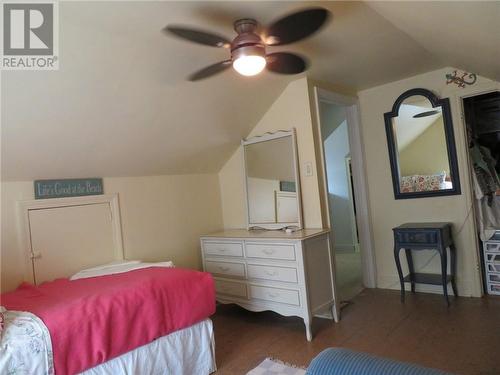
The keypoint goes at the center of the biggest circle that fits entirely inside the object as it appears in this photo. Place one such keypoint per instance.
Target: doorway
(345, 195)
(482, 122)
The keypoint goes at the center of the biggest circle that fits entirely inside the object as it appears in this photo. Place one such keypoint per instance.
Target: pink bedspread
(93, 320)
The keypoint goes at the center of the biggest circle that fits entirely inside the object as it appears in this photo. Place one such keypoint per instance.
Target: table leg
(453, 256)
(409, 259)
(400, 272)
(444, 273)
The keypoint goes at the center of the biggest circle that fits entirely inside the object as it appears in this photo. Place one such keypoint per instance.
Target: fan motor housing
(249, 50)
(247, 43)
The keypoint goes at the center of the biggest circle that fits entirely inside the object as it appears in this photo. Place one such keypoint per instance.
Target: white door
(65, 240)
(286, 207)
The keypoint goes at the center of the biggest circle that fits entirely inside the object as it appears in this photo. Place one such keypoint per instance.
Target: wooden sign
(73, 187)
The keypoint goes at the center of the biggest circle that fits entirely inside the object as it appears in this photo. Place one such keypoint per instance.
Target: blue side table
(426, 236)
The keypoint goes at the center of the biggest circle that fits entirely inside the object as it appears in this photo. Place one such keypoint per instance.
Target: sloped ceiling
(461, 34)
(120, 105)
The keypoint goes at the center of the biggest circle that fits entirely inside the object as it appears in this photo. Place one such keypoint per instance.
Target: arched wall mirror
(272, 181)
(422, 146)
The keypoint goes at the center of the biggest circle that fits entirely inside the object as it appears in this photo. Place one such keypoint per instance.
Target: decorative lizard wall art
(461, 79)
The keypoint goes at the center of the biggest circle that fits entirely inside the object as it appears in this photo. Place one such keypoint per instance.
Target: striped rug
(270, 366)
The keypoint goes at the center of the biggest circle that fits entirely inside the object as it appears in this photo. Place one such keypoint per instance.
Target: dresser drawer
(225, 268)
(417, 237)
(234, 249)
(231, 288)
(270, 251)
(274, 273)
(290, 297)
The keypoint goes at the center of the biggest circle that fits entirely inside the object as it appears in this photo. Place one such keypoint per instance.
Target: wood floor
(462, 339)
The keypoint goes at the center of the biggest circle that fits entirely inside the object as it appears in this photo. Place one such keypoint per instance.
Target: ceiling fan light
(249, 65)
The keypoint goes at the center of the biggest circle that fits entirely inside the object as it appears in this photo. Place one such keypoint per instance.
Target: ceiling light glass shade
(249, 65)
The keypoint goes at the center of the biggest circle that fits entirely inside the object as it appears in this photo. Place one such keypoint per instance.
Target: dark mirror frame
(450, 144)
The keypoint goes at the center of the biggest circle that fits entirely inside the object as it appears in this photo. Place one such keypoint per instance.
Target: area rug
(270, 366)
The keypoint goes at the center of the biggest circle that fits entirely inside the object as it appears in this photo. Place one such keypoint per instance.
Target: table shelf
(427, 278)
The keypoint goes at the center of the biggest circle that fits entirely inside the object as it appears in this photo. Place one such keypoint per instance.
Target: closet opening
(482, 119)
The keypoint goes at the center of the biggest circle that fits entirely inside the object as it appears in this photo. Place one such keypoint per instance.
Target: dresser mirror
(422, 146)
(272, 181)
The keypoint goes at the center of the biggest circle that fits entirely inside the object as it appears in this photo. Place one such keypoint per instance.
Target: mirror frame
(450, 145)
(263, 138)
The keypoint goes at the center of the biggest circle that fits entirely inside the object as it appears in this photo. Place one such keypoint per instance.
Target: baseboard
(392, 282)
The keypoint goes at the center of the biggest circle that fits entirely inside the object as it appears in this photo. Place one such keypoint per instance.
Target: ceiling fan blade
(198, 36)
(210, 70)
(296, 26)
(285, 63)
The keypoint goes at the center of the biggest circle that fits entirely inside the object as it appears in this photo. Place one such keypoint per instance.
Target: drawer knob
(224, 269)
(271, 273)
(268, 251)
(273, 295)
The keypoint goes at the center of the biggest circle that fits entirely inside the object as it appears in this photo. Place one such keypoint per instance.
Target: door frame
(24, 207)
(352, 203)
(363, 217)
(458, 115)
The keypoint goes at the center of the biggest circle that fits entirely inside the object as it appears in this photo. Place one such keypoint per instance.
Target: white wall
(386, 212)
(162, 218)
(336, 148)
(291, 109)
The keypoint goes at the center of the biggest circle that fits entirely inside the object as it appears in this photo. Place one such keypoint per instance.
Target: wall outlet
(308, 169)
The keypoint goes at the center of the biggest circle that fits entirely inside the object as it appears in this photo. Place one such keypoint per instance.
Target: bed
(147, 320)
(126, 317)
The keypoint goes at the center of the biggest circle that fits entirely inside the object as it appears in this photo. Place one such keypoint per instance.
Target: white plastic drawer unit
(274, 273)
(279, 295)
(225, 268)
(492, 257)
(494, 288)
(270, 251)
(493, 277)
(231, 288)
(493, 267)
(492, 247)
(233, 249)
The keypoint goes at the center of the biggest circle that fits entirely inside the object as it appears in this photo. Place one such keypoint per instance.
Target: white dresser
(291, 274)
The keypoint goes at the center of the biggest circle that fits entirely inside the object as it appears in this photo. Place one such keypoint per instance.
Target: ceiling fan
(248, 48)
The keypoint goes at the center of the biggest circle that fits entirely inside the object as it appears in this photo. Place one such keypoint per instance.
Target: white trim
(359, 176)
(268, 137)
(24, 207)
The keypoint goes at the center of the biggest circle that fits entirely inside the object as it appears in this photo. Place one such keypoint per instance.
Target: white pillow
(117, 267)
(111, 265)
